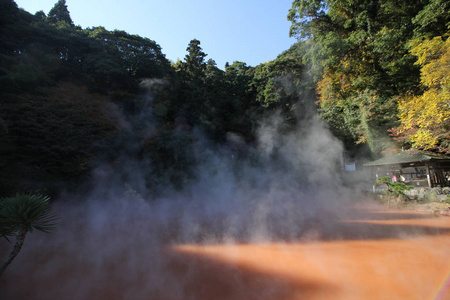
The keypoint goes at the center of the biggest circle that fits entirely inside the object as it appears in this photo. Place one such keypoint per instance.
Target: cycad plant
(22, 214)
(394, 188)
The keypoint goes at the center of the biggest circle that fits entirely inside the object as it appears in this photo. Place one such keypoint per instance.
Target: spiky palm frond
(25, 211)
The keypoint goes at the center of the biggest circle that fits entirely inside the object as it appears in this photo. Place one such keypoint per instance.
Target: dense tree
(359, 54)
(72, 96)
(40, 15)
(425, 118)
(283, 85)
(8, 12)
(434, 19)
(193, 101)
(194, 62)
(56, 127)
(305, 15)
(59, 13)
(118, 60)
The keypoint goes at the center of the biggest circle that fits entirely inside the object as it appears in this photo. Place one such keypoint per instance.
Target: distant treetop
(59, 13)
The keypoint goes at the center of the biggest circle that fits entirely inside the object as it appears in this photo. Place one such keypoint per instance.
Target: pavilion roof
(408, 156)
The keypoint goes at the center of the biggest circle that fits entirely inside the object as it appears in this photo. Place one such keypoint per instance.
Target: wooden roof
(409, 156)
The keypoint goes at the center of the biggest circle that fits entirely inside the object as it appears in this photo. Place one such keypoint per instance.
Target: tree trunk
(389, 200)
(20, 238)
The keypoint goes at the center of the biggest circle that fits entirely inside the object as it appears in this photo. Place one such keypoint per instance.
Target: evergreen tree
(59, 13)
(40, 15)
(8, 13)
(195, 59)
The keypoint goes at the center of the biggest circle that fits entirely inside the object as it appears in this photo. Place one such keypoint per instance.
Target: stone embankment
(436, 194)
(432, 200)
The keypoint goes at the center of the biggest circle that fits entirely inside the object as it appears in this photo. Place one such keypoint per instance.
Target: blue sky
(252, 31)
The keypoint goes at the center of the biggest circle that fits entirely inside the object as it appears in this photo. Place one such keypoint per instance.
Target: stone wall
(430, 194)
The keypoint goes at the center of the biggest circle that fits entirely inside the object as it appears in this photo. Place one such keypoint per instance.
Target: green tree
(394, 188)
(281, 85)
(118, 61)
(434, 19)
(8, 12)
(40, 15)
(194, 61)
(193, 98)
(305, 15)
(59, 13)
(22, 214)
(359, 53)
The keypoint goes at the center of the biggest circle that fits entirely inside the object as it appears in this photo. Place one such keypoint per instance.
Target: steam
(153, 84)
(120, 232)
(266, 195)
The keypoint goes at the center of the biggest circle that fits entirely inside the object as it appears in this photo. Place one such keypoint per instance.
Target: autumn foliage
(425, 117)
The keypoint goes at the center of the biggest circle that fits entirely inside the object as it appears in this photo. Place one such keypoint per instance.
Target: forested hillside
(380, 66)
(72, 99)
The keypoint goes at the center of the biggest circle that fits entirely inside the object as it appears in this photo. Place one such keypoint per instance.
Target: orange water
(374, 254)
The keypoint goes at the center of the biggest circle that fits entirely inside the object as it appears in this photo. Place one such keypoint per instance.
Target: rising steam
(116, 238)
